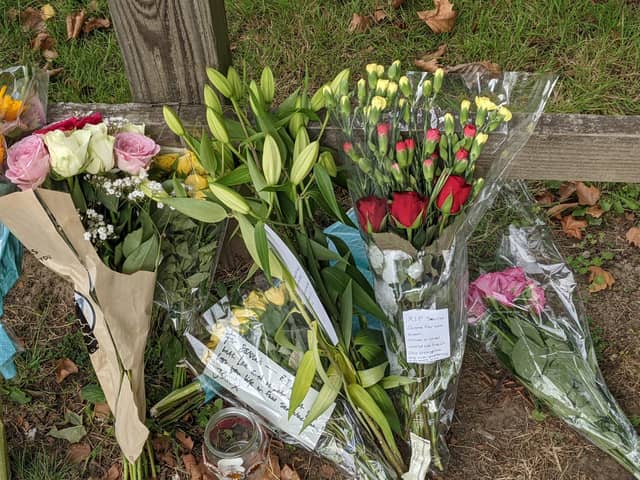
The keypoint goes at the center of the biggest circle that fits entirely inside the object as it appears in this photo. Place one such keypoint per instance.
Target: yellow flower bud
(217, 126)
(392, 91)
(276, 295)
(380, 71)
(405, 86)
(166, 161)
(381, 86)
(465, 105)
(438, 77)
(505, 113)
(317, 101)
(481, 138)
(371, 68)
(378, 103)
(220, 82)
(211, 99)
(267, 86)
(394, 70)
(230, 198)
(172, 121)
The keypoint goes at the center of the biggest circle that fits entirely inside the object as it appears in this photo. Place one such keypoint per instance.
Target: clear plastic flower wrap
(10, 266)
(249, 355)
(427, 155)
(526, 310)
(23, 99)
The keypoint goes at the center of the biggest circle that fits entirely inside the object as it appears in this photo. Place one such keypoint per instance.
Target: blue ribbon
(209, 386)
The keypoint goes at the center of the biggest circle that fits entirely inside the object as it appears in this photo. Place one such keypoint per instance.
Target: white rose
(132, 127)
(101, 158)
(68, 154)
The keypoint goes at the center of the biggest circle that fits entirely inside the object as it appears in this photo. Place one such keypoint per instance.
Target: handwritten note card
(263, 385)
(426, 335)
(304, 287)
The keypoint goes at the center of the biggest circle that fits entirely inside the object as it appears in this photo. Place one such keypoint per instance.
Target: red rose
(371, 213)
(469, 130)
(458, 189)
(71, 123)
(408, 207)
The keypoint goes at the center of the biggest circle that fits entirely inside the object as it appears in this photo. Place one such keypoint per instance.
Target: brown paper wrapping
(116, 307)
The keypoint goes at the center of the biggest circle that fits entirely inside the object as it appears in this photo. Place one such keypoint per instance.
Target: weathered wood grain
(563, 147)
(167, 44)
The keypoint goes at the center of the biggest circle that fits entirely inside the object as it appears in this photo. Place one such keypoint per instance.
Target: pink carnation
(27, 163)
(134, 152)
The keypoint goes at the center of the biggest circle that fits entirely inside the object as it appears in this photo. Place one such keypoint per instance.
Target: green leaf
(385, 403)
(339, 279)
(363, 400)
(528, 360)
(346, 314)
(395, 381)
(178, 188)
(143, 258)
(92, 393)
(16, 395)
(238, 176)
(327, 395)
(207, 155)
(323, 180)
(323, 253)
(373, 375)
(302, 383)
(248, 235)
(72, 418)
(77, 195)
(71, 434)
(131, 242)
(368, 336)
(262, 248)
(201, 210)
(373, 354)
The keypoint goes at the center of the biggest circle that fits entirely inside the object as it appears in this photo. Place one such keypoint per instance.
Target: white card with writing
(304, 287)
(261, 384)
(426, 335)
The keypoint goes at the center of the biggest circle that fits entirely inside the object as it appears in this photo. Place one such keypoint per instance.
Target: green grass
(594, 46)
(42, 465)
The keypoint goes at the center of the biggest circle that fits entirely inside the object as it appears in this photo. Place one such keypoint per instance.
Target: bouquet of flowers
(416, 145)
(23, 100)
(529, 316)
(90, 223)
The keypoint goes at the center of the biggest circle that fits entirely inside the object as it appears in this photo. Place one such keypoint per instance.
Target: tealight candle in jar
(235, 444)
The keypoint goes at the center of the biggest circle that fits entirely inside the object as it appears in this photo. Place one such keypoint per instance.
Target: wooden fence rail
(563, 147)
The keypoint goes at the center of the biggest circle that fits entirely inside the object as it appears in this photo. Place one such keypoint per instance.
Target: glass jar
(235, 445)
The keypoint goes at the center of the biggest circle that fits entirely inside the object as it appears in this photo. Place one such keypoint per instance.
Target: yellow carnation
(378, 103)
(486, 103)
(505, 113)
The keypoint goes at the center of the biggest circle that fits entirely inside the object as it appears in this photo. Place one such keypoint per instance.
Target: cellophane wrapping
(548, 349)
(23, 99)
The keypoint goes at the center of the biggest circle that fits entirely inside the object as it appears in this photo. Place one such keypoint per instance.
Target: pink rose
(134, 152)
(27, 163)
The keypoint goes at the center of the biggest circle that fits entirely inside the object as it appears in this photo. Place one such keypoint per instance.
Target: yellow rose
(188, 163)
(486, 103)
(196, 184)
(505, 113)
(276, 295)
(255, 301)
(166, 161)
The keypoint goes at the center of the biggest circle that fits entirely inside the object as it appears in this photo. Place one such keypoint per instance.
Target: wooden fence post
(167, 44)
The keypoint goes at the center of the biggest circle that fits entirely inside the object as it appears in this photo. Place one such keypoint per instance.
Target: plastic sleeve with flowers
(529, 315)
(252, 352)
(23, 100)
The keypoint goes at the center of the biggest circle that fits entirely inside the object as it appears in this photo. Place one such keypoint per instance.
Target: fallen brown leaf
(185, 440)
(630, 216)
(587, 195)
(544, 198)
(93, 23)
(274, 466)
(289, 473)
(13, 14)
(441, 19)
(42, 41)
(47, 12)
(429, 61)
(359, 23)
(599, 279)
(168, 458)
(52, 72)
(49, 55)
(93, 6)
(78, 452)
(74, 24)
(573, 227)
(556, 210)
(192, 467)
(113, 473)
(64, 368)
(31, 19)
(566, 190)
(102, 410)
(595, 211)
(379, 15)
(633, 236)
(397, 3)
(481, 68)
(327, 471)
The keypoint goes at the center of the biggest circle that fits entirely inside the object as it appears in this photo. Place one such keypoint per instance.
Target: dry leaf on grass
(289, 473)
(397, 3)
(78, 452)
(441, 19)
(52, 72)
(192, 467)
(480, 68)
(31, 19)
(47, 12)
(42, 41)
(12, 14)
(49, 55)
(379, 15)
(544, 198)
(566, 190)
(74, 24)
(587, 195)
(359, 23)
(101, 410)
(573, 227)
(595, 211)
(93, 23)
(429, 61)
(599, 279)
(633, 236)
(327, 471)
(556, 210)
(185, 440)
(113, 473)
(64, 368)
